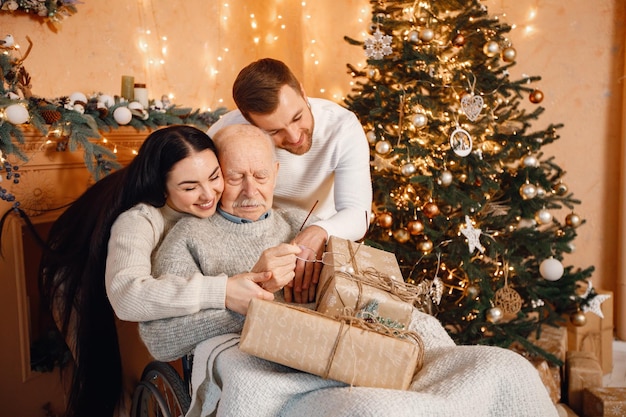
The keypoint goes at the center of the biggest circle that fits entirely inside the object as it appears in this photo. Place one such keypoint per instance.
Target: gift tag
(472, 106)
(461, 142)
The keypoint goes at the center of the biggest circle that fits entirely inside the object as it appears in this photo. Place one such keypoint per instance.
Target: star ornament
(378, 46)
(472, 236)
(594, 304)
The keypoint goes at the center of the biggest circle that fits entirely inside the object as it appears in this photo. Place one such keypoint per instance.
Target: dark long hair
(73, 266)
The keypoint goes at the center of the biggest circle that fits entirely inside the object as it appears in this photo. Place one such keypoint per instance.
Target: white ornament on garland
(461, 141)
(378, 46)
(472, 236)
(122, 115)
(16, 114)
(594, 304)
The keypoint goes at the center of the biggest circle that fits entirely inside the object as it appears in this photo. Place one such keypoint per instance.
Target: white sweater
(132, 290)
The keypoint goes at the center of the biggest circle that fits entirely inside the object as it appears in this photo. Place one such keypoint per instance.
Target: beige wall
(576, 46)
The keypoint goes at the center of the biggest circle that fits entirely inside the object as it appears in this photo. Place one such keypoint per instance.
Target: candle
(141, 95)
(128, 83)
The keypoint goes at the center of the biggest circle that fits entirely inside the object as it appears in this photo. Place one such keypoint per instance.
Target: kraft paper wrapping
(604, 402)
(311, 342)
(375, 276)
(582, 370)
(596, 335)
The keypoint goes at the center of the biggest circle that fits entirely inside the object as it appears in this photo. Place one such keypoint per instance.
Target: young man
(323, 154)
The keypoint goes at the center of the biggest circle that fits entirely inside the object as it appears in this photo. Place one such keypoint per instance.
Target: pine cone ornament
(51, 116)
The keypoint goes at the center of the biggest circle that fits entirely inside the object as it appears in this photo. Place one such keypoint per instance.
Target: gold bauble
(472, 291)
(528, 191)
(573, 220)
(385, 220)
(494, 315)
(425, 245)
(401, 235)
(578, 319)
(560, 188)
(491, 48)
(426, 35)
(535, 96)
(431, 210)
(415, 227)
(509, 54)
(459, 40)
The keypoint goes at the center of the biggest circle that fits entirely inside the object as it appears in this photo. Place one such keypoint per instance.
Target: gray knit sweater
(211, 246)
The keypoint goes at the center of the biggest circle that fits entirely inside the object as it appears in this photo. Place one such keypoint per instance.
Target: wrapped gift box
(551, 339)
(356, 277)
(582, 370)
(550, 376)
(604, 402)
(312, 342)
(596, 335)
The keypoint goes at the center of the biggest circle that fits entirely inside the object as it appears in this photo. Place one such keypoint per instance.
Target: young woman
(116, 225)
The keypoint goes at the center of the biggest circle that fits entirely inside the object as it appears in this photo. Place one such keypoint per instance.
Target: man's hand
(242, 288)
(313, 241)
(281, 262)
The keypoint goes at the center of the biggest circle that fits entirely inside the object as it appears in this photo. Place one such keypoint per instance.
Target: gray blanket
(480, 381)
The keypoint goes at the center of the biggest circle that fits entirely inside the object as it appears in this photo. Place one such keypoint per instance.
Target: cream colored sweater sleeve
(133, 292)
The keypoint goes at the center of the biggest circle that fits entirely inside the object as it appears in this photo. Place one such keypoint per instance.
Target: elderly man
(244, 229)
(324, 157)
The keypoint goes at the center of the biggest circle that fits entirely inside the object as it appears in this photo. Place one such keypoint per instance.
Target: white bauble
(551, 269)
(122, 115)
(16, 114)
(371, 136)
(106, 99)
(78, 96)
(78, 107)
(135, 105)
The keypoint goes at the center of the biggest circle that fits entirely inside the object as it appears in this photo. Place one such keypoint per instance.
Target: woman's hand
(240, 289)
(281, 262)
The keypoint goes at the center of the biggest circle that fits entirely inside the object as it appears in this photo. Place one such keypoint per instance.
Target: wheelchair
(162, 392)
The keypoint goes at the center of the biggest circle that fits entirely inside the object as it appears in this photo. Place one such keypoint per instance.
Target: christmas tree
(463, 193)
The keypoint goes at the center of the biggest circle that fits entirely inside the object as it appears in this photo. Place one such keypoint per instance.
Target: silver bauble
(408, 169)
(383, 147)
(446, 178)
(528, 191)
(419, 120)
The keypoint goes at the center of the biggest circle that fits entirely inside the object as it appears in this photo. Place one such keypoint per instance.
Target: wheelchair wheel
(160, 393)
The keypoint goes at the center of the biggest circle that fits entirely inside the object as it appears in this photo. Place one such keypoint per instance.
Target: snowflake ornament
(378, 46)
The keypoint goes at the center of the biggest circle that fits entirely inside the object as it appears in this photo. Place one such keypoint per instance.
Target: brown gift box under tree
(596, 335)
(329, 347)
(582, 370)
(355, 275)
(604, 402)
